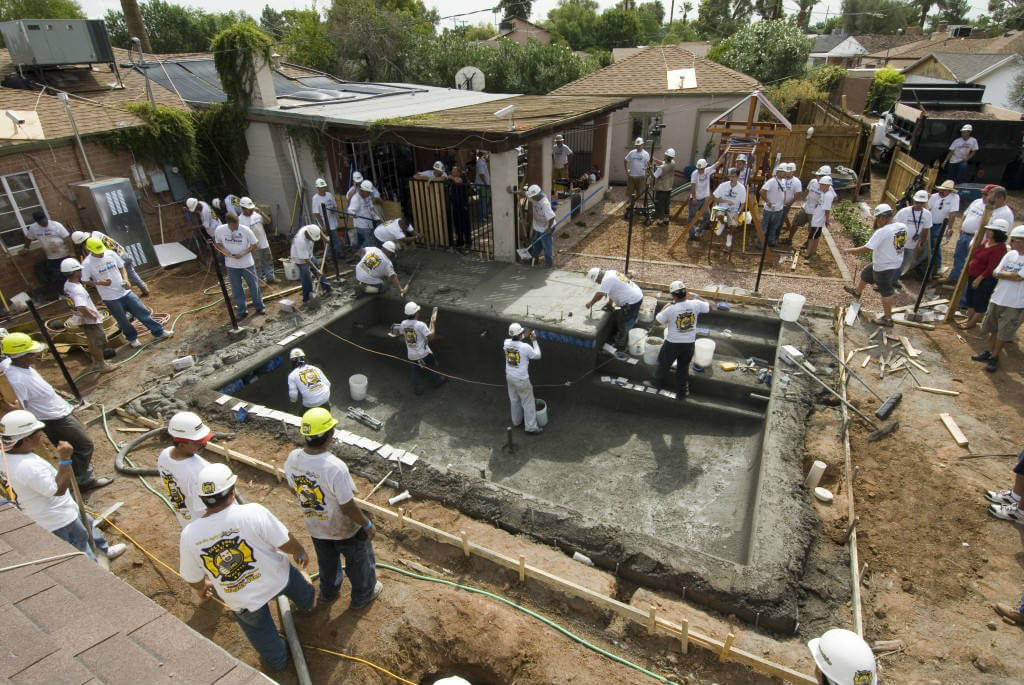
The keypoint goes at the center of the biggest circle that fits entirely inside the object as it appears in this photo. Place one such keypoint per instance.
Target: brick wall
(55, 169)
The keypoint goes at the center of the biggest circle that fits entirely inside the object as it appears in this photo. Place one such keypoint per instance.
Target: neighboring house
(699, 48)
(995, 72)
(903, 56)
(849, 51)
(685, 112)
(520, 31)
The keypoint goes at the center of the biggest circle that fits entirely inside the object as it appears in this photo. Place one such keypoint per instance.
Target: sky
(97, 8)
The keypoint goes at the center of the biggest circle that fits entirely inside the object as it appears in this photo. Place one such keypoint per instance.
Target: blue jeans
(360, 567)
(337, 249)
(543, 241)
(133, 275)
(416, 371)
(365, 237)
(963, 246)
(699, 226)
(75, 535)
(235, 276)
(259, 625)
(625, 319)
(265, 264)
(957, 171)
(130, 303)
(306, 277)
(936, 247)
(772, 224)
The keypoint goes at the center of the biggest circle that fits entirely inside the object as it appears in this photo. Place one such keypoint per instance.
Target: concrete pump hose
(119, 463)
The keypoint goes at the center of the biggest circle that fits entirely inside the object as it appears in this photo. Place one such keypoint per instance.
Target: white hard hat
(247, 203)
(214, 479)
(825, 181)
(844, 658)
(671, 152)
(297, 353)
(921, 196)
(966, 127)
(638, 141)
(1017, 232)
(676, 286)
(791, 166)
(882, 209)
(823, 170)
(79, 237)
(741, 158)
(367, 186)
(559, 138)
(313, 231)
(186, 425)
(514, 330)
(389, 246)
(216, 202)
(3, 332)
(18, 424)
(357, 177)
(594, 273)
(702, 163)
(191, 204)
(320, 183)
(452, 680)
(70, 264)
(439, 166)
(1001, 225)
(411, 308)
(533, 191)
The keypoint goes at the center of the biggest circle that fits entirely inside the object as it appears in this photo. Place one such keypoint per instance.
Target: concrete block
(182, 363)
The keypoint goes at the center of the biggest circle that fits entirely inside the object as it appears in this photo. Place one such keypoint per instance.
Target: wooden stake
(465, 542)
(911, 352)
(918, 365)
(867, 360)
(652, 620)
(938, 391)
(684, 642)
(522, 569)
(727, 646)
(401, 517)
(954, 430)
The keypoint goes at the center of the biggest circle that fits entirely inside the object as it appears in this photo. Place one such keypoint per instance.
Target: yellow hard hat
(95, 245)
(18, 344)
(317, 421)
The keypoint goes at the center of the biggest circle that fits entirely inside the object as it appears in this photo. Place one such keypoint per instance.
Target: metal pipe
(224, 291)
(74, 127)
(53, 350)
(301, 669)
(629, 234)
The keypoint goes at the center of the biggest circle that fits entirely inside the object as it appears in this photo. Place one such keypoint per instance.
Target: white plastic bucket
(703, 352)
(647, 307)
(291, 269)
(357, 386)
(542, 413)
(651, 349)
(636, 341)
(792, 303)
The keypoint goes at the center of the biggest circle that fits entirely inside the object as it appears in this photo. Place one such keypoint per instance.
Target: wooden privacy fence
(839, 139)
(429, 211)
(902, 171)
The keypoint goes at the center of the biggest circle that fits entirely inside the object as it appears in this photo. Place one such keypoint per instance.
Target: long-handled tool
(878, 433)
(887, 406)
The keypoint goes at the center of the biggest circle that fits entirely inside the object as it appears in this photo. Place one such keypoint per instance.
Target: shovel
(878, 433)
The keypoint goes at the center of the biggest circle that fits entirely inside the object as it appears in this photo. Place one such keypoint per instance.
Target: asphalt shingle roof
(940, 42)
(645, 74)
(965, 66)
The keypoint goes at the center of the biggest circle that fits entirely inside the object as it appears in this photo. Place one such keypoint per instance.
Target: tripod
(645, 202)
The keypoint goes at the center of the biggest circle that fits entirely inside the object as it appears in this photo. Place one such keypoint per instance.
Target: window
(19, 198)
(640, 127)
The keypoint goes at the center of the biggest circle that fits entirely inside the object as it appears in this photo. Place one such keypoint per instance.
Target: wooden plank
(937, 391)
(929, 303)
(954, 430)
(918, 365)
(836, 255)
(915, 324)
(911, 352)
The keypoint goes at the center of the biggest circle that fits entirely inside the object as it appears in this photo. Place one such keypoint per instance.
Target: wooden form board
(954, 430)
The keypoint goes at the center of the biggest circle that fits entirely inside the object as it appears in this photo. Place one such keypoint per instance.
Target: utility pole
(133, 20)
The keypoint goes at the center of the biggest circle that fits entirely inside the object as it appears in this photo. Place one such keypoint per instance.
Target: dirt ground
(935, 561)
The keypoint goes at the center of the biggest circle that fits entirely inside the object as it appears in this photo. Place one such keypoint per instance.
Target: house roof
(645, 73)
(966, 67)
(874, 42)
(941, 42)
(698, 47)
(68, 621)
(824, 43)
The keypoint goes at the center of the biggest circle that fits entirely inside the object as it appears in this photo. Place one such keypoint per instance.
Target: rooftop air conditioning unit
(51, 42)
(961, 31)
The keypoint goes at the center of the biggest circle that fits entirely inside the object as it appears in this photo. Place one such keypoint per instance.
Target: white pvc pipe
(814, 475)
(301, 669)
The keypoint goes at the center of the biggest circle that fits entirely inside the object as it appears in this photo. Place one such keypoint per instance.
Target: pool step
(645, 399)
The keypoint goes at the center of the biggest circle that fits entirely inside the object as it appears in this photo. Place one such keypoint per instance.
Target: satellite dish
(469, 78)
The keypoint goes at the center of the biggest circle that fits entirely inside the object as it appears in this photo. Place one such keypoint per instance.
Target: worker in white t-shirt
(624, 298)
(886, 246)
(362, 207)
(1006, 306)
(238, 551)
(482, 179)
(635, 164)
(518, 353)
(79, 238)
(560, 154)
(53, 238)
(41, 491)
(399, 231)
(86, 316)
(810, 202)
(435, 173)
(336, 524)
(302, 255)
(680, 321)
(180, 465)
(542, 218)
(773, 195)
(793, 186)
(821, 215)
(232, 204)
(307, 383)
(918, 220)
(324, 204)
(944, 204)
(742, 166)
(264, 258)
(732, 195)
(237, 243)
(417, 336)
(700, 194)
(961, 151)
(204, 215)
(375, 271)
(993, 198)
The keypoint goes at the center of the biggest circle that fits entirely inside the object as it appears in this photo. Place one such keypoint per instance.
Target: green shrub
(827, 77)
(853, 222)
(786, 96)
(885, 89)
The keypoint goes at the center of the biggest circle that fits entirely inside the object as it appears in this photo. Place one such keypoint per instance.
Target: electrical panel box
(111, 206)
(47, 42)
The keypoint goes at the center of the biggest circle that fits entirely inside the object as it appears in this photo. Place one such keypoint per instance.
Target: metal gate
(581, 141)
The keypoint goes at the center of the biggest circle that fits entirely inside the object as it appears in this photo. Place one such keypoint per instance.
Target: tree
(680, 32)
(378, 43)
(40, 9)
(651, 16)
(1016, 94)
(575, 21)
(877, 16)
(884, 89)
(173, 28)
(823, 28)
(305, 41)
(479, 32)
(272, 22)
(768, 50)
(953, 11)
(516, 8)
(720, 18)
(769, 9)
(618, 28)
(803, 14)
(1009, 14)
(237, 51)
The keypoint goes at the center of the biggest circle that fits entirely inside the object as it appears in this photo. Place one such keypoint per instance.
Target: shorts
(885, 280)
(95, 335)
(1019, 466)
(977, 298)
(800, 219)
(1002, 322)
(814, 232)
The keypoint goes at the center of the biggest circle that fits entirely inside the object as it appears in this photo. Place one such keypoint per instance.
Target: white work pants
(520, 394)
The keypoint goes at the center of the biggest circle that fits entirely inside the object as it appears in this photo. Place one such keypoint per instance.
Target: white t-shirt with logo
(701, 182)
(961, 148)
(237, 244)
(389, 231)
(886, 245)
(35, 394)
(375, 267)
(560, 156)
(34, 481)
(517, 358)
(326, 200)
(254, 222)
(79, 297)
(362, 210)
(732, 195)
(813, 196)
(181, 482)
(916, 220)
(415, 332)
(942, 207)
(302, 248)
(230, 206)
(774, 194)
(636, 162)
(236, 548)
(680, 320)
(793, 186)
(311, 384)
(208, 218)
(105, 267)
(619, 289)
(542, 213)
(1009, 293)
(51, 237)
(322, 483)
(823, 205)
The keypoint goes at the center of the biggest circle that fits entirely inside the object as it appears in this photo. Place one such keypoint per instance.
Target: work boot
(536, 432)
(993, 364)
(983, 356)
(1009, 613)
(104, 367)
(95, 483)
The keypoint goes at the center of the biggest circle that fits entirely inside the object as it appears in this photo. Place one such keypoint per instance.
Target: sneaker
(114, 551)
(1007, 512)
(1010, 613)
(536, 432)
(135, 343)
(992, 365)
(851, 290)
(1004, 497)
(377, 589)
(621, 356)
(95, 483)
(104, 367)
(166, 334)
(982, 356)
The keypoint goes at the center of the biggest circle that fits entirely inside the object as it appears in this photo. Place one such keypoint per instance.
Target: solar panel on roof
(174, 77)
